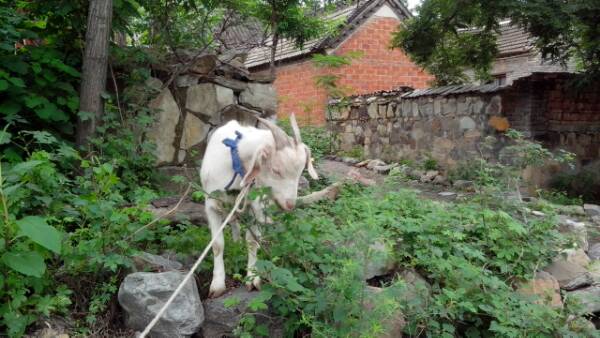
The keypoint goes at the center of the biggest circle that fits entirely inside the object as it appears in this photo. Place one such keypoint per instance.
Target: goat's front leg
(213, 213)
(252, 239)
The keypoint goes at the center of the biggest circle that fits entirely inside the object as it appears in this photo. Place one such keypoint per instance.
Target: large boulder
(569, 270)
(393, 321)
(207, 99)
(162, 132)
(594, 252)
(223, 315)
(544, 286)
(379, 262)
(416, 287)
(576, 230)
(589, 298)
(260, 96)
(142, 294)
(592, 209)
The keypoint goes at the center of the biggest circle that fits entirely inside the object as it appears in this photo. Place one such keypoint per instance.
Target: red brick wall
(379, 68)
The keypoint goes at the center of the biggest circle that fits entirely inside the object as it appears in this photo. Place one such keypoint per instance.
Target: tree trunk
(95, 61)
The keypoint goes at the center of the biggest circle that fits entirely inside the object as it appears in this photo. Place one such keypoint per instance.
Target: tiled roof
(513, 40)
(456, 89)
(353, 15)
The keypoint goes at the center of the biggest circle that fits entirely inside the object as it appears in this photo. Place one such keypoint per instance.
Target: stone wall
(405, 124)
(447, 123)
(208, 95)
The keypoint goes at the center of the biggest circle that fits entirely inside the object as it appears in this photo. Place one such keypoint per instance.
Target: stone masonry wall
(205, 97)
(447, 123)
(405, 125)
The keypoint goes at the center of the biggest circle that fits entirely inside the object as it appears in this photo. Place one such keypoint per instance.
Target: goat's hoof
(254, 284)
(215, 293)
(216, 290)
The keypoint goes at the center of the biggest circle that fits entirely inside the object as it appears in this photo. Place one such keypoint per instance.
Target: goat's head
(280, 167)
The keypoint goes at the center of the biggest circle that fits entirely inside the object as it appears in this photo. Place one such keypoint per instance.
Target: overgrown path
(337, 170)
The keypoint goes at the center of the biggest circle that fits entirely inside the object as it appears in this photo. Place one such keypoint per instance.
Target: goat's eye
(277, 172)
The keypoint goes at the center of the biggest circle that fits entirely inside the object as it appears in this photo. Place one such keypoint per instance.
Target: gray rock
(589, 298)
(221, 320)
(463, 184)
(380, 261)
(447, 193)
(142, 294)
(466, 123)
(392, 323)
(594, 252)
(162, 132)
(384, 169)
(439, 180)
(592, 209)
(186, 80)
(429, 176)
(194, 131)
(208, 99)
(579, 281)
(570, 270)
(260, 96)
(576, 230)
(416, 286)
(350, 160)
(144, 261)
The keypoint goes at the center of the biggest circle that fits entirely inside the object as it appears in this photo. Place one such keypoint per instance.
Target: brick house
(368, 27)
(517, 57)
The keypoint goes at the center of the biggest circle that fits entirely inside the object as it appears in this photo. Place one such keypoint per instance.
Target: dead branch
(163, 215)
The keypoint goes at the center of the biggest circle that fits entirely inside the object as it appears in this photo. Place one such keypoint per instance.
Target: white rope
(156, 318)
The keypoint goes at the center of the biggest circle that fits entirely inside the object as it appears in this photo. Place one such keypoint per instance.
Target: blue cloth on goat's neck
(236, 161)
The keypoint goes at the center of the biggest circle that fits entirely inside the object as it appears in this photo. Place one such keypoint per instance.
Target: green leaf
(50, 112)
(3, 85)
(33, 101)
(17, 82)
(9, 108)
(15, 64)
(27, 263)
(231, 302)
(36, 229)
(4, 137)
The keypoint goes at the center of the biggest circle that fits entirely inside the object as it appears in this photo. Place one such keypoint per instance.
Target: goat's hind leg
(215, 218)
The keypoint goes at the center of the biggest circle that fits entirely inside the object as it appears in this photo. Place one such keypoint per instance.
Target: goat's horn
(282, 140)
(295, 128)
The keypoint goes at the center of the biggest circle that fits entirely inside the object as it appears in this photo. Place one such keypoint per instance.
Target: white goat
(271, 159)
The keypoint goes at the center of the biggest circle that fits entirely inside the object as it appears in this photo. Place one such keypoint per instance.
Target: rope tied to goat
(240, 198)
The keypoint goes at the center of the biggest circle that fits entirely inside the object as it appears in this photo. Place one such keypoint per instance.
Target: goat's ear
(309, 164)
(259, 156)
